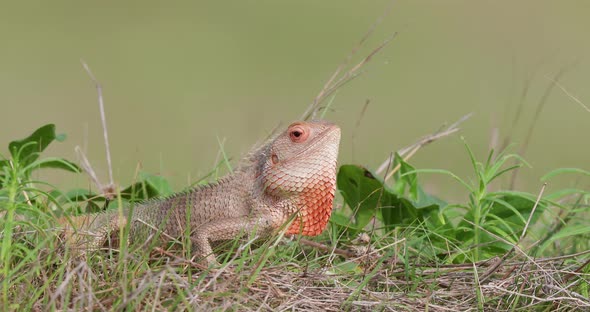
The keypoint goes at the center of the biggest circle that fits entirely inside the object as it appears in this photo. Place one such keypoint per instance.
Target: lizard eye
(298, 133)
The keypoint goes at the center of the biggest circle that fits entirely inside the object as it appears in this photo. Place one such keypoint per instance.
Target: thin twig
(578, 270)
(180, 260)
(519, 110)
(571, 96)
(330, 86)
(528, 222)
(338, 251)
(539, 110)
(409, 151)
(85, 164)
(529, 135)
(103, 119)
(347, 77)
(523, 96)
(357, 126)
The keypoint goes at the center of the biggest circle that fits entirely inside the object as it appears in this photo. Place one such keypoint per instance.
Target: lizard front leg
(227, 229)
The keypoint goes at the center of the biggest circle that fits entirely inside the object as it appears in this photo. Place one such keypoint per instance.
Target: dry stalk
(407, 152)
(570, 95)
(109, 190)
(336, 80)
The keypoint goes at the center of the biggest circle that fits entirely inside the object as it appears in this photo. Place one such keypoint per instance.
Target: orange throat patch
(316, 208)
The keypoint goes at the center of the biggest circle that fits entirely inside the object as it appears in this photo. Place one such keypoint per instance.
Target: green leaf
(566, 232)
(563, 193)
(425, 200)
(345, 268)
(56, 163)
(361, 191)
(149, 186)
(513, 203)
(409, 176)
(340, 220)
(139, 191)
(562, 171)
(366, 195)
(3, 169)
(448, 173)
(159, 183)
(27, 150)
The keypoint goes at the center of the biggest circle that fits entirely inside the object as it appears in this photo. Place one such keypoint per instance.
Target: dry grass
(554, 284)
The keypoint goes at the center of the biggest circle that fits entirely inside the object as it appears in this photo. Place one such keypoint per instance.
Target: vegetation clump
(390, 246)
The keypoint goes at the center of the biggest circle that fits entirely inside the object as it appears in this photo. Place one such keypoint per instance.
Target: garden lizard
(290, 178)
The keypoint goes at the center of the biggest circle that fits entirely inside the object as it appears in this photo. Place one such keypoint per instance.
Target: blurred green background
(179, 76)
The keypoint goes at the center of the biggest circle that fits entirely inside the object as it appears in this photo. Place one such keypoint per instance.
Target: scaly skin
(290, 178)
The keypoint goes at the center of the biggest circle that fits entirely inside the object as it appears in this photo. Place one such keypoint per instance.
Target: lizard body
(290, 178)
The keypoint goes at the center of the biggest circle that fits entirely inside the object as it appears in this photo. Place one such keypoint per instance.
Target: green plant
(403, 204)
(484, 227)
(19, 196)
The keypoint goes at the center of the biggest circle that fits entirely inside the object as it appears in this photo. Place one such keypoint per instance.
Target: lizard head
(299, 168)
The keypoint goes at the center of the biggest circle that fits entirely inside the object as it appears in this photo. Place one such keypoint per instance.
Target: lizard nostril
(275, 159)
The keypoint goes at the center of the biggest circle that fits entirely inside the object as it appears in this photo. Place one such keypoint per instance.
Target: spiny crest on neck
(258, 152)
